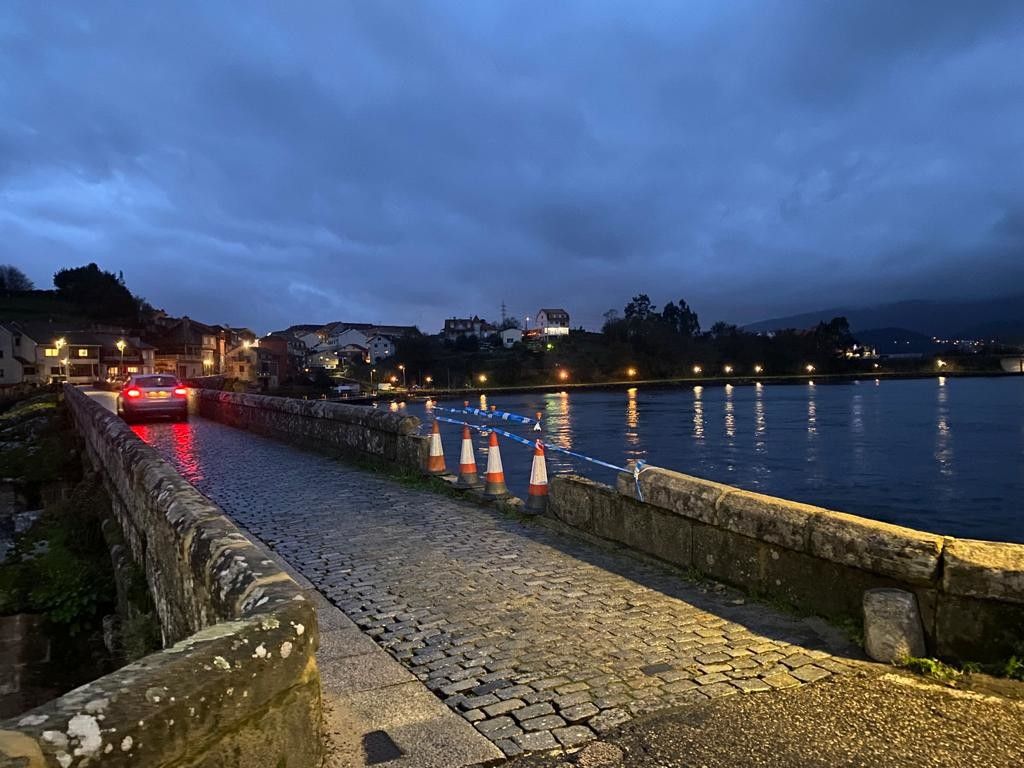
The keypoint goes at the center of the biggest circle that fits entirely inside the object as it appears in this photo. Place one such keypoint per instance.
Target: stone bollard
(892, 625)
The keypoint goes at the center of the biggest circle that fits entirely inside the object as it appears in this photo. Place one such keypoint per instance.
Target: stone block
(906, 555)
(984, 569)
(892, 626)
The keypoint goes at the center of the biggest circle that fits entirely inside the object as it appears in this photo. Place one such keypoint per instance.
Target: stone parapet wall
(338, 428)
(238, 684)
(970, 593)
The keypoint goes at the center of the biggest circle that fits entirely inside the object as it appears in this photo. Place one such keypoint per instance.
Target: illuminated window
(133, 369)
(50, 352)
(111, 369)
(83, 352)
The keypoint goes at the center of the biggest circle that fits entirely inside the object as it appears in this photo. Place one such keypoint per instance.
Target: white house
(553, 322)
(380, 348)
(18, 363)
(510, 337)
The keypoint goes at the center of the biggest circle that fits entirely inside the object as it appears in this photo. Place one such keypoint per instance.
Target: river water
(943, 454)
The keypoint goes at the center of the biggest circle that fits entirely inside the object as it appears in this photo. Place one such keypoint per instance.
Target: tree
(13, 279)
(100, 294)
(640, 308)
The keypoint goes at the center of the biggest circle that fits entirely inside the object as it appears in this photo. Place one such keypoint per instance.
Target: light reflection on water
(883, 449)
(698, 412)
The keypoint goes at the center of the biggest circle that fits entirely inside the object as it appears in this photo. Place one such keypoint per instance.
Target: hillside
(1001, 318)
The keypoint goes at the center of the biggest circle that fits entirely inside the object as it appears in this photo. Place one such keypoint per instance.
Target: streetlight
(696, 370)
(372, 371)
(482, 378)
(940, 363)
(121, 344)
(809, 368)
(728, 369)
(631, 372)
(60, 344)
(402, 369)
(428, 380)
(563, 374)
(758, 369)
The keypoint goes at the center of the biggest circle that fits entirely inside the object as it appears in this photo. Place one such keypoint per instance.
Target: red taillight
(181, 392)
(132, 392)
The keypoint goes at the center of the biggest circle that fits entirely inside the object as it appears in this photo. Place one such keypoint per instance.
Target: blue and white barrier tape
(503, 415)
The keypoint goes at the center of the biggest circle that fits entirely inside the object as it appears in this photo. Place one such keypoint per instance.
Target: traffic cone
(537, 496)
(495, 487)
(537, 427)
(468, 478)
(435, 464)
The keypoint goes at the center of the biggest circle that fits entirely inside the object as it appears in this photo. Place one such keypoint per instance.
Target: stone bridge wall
(971, 593)
(349, 430)
(237, 684)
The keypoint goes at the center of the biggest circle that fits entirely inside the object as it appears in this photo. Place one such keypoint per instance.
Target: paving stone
(579, 712)
(781, 680)
(503, 707)
(545, 723)
(532, 711)
(509, 746)
(751, 685)
(610, 718)
(536, 741)
(809, 673)
(573, 736)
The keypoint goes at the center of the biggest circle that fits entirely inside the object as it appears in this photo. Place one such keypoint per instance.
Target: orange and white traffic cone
(435, 463)
(468, 478)
(537, 427)
(537, 496)
(495, 487)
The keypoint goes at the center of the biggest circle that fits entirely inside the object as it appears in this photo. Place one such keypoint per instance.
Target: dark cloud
(395, 161)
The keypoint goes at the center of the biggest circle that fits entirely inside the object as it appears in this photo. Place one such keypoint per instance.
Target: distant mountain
(999, 318)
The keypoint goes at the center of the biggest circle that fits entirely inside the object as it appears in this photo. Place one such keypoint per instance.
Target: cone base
(469, 481)
(496, 491)
(536, 504)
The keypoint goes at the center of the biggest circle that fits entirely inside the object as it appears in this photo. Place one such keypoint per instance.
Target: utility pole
(504, 313)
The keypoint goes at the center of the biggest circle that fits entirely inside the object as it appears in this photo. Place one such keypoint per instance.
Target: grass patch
(932, 668)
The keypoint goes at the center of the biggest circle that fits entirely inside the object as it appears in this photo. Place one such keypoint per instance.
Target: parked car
(153, 394)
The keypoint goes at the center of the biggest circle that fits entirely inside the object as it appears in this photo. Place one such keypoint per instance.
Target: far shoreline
(676, 383)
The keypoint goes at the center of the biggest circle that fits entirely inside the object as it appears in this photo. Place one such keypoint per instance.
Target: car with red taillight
(153, 395)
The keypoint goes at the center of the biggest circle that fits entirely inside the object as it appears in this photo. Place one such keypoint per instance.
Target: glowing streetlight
(60, 344)
(394, 379)
(876, 366)
(697, 370)
(482, 378)
(940, 363)
(758, 369)
(631, 372)
(429, 379)
(809, 368)
(121, 344)
(372, 371)
(402, 369)
(563, 374)
(728, 369)
(550, 345)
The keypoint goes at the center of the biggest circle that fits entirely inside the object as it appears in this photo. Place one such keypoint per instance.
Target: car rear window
(156, 381)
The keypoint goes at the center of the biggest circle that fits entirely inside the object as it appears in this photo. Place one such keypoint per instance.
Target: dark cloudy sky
(270, 163)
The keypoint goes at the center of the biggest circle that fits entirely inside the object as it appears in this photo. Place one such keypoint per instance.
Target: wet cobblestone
(536, 638)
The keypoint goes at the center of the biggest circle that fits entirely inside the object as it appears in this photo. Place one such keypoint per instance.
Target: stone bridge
(454, 633)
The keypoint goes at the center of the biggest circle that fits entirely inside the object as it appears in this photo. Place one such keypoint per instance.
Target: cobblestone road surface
(538, 639)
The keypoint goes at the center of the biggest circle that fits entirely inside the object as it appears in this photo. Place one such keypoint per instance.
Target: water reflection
(760, 424)
(183, 442)
(633, 425)
(730, 414)
(558, 419)
(698, 412)
(943, 433)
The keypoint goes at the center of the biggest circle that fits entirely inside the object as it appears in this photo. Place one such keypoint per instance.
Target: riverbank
(688, 381)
